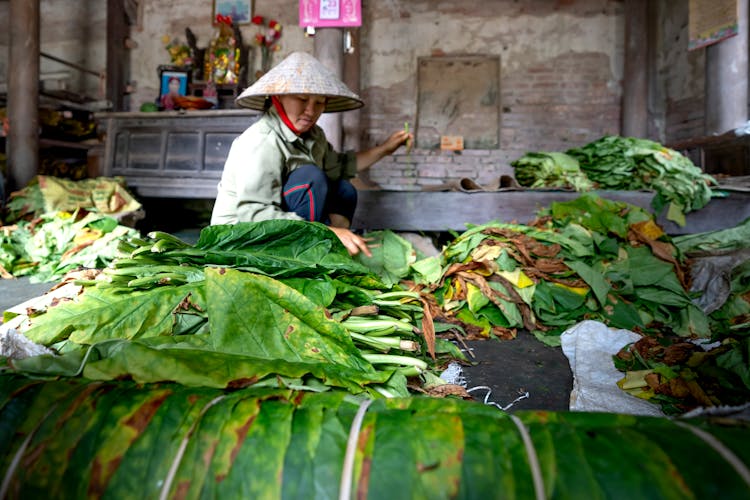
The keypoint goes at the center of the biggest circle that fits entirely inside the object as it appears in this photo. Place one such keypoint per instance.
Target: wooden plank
(445, 211)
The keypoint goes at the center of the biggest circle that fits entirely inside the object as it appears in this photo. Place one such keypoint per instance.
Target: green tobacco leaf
(511, 309)
(277, 248)
(599, 285)
(505, 262)
(725, 240)
(661, 297)
(737, 360)
(592, 212)
(256, 315)
(191, 361)
(271, 431)
(429, 270)
(103, 426)
(676, 213)
(25, 403)
(465, 315)
(475, 299)
(321, 291)
(152, 454)
(121, 440)
(622, 314)
(239, 468)
(391, 256)
(103, 314)
(315, 452)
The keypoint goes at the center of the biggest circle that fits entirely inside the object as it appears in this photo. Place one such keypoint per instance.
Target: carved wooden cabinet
(171, 154)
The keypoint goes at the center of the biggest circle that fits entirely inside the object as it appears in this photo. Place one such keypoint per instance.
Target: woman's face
(174, 86)
(303, 110)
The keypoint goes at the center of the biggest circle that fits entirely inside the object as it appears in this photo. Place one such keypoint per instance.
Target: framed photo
(173, 81)
(330, 13)
(241, 11)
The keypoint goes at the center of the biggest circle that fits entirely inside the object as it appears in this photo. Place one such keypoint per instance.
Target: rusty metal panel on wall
(459, 96)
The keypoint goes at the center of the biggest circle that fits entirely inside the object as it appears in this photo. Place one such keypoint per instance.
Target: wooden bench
(443, 211)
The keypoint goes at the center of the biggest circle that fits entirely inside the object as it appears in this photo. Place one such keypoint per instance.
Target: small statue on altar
(222, 63)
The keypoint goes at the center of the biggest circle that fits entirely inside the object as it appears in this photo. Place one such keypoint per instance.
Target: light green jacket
(259, 162)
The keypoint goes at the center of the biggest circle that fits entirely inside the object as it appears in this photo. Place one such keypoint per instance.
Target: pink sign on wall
(330, 13)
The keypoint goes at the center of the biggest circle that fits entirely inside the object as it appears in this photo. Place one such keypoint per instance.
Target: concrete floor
(19, 290)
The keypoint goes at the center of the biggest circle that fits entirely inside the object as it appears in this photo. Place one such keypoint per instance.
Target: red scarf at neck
(283, 115)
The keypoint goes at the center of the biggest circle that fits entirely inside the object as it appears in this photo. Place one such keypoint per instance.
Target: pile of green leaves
(680, 376)
(249, 304)
(57, 242)
(731, 248)
(55, 225)
(589, 258)
(550, 170)
(631, 163)
(114, 439)
(626, 164)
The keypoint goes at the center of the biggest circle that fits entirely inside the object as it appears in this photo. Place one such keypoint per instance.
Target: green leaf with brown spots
(260, 316)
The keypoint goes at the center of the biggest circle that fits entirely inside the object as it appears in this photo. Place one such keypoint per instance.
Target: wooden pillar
(656, 88)
(727, 78)
(635, 81)
(117, 55)
(351, 119)
(329, 50)
(23, 93)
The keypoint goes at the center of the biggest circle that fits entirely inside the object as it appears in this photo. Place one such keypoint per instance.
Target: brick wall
(564, 102)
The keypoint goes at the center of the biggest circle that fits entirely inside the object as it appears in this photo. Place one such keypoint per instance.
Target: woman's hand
(398, 138)
(353, 243)
(365, 159)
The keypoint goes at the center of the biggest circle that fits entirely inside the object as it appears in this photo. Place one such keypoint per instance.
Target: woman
(282, 167)
(173, 86)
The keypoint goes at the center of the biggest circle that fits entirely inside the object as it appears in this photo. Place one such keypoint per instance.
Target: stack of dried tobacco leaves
(680, 375)
(590, 258)
(117, 439)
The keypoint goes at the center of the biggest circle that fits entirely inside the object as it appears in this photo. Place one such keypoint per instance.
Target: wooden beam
(635, 81)
(329, 50)
(23, 93)
(117, 54)
(453, 210)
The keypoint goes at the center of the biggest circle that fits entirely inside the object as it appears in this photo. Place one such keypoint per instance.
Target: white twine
(345, 487)
(183, 446)
(722, 450)
(524, 395)
(22, 449)
(536, 468)
(454, 374)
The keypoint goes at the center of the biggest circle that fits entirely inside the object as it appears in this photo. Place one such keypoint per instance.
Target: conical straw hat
(300, 73)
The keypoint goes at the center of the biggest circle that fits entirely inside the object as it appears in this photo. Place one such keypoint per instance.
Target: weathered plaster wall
(561, 70)
(561, 66)
(73, 30)
(560, 83)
